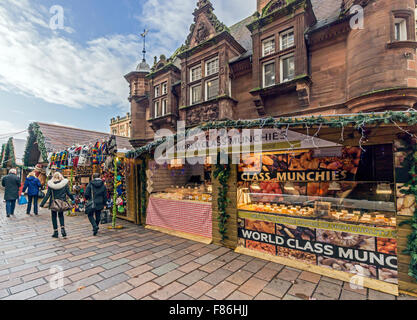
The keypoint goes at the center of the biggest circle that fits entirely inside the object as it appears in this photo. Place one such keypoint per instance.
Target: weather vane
(143, 35)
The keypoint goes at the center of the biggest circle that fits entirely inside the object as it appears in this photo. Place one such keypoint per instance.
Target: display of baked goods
(201, 193)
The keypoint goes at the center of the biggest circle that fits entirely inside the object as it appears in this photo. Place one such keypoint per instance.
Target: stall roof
(55, 138)
(58, 138)
(356, 121)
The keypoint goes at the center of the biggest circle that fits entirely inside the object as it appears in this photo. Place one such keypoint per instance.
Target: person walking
(11, 184)
(33, 185)
(58, 189)
(96, 194)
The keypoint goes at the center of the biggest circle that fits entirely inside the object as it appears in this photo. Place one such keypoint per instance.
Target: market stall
(329, 207)
(180, 198)
(332, 195)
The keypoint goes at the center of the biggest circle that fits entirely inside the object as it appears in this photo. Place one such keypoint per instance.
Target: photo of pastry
(388, 275)
(297, 255)
(295, 232)
(362, 269)
(261, 226)
(343, 239)
(406, 203)
(259, 246)
(387, 246)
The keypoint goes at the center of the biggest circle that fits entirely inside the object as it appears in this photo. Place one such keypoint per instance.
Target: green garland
(9, 154)
(356, 120)
(35, 135)
(411, 248)
(222, 173)
(144, 186)
(3, 147)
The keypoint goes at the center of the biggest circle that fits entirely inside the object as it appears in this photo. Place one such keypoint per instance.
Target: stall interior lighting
(334, 186)
(384, 188)
(289, 186)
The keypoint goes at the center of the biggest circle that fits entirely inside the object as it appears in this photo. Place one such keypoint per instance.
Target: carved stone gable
(202, 114)
(274, 5)
(202, 33)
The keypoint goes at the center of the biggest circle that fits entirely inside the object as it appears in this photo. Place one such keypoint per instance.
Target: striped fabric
(189, 217)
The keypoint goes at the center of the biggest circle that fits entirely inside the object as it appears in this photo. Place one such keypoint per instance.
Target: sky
(66, 67)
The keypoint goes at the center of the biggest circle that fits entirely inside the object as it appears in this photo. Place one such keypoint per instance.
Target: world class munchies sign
(376, 259)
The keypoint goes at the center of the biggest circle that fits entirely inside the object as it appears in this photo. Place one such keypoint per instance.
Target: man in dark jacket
(96, 192)
(33, 185)
(11, 184)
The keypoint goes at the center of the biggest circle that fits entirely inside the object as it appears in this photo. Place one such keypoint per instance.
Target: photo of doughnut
(344, 239)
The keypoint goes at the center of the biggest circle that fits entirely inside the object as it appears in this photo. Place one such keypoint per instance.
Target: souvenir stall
(78, 164)
(332, 195)
(180, 199)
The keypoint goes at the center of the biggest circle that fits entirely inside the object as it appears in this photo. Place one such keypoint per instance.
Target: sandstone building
(290, 58)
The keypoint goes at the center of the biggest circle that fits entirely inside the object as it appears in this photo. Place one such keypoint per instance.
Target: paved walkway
(135, 263)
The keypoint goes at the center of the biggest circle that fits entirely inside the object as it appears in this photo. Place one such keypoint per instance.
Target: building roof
(58, 138)
(326, 9)
(242, 34)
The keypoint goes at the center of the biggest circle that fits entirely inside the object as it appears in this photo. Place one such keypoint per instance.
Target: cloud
(169, 21)
(37, 61)
(8, 129)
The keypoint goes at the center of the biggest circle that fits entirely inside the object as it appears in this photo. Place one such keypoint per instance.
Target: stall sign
(364, 255)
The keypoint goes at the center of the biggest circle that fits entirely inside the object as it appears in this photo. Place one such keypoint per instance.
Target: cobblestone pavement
(135, 263)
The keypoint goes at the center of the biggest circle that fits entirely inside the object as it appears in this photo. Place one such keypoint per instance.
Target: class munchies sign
(377, 259)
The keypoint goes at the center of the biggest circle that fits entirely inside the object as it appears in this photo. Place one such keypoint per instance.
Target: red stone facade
(290, 58)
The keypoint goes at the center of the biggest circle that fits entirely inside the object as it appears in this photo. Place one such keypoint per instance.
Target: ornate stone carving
(202, 114)
(202, 3)
(202, 33)
(278, 4)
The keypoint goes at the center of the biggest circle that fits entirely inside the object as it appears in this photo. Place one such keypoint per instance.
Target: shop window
(212, 89)
(195, 94)
(286, 39)
(268, 74)
(156, 109)
(164, 107)
(400, 29)
(195, 73)
(212, 67)
(287, 68)
(268, 47)
(157, 91)
(165, 88)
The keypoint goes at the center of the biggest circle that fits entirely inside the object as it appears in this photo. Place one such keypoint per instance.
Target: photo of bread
(259, 246)
(344, 239)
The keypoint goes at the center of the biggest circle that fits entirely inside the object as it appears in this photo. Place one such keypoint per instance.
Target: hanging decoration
(410, 188)
(222, 173)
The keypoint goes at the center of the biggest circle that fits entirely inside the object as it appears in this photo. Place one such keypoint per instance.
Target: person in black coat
(96, 191)
(58, 189)
(11, 184)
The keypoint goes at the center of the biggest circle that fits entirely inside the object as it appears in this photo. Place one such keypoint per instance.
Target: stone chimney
(261, 4)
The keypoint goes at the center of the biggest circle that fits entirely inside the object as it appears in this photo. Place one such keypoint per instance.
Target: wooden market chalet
(295, 62)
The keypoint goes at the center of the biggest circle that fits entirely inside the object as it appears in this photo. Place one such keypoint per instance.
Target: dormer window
(195, 73)
(287, 68)
(268, 47)
(286, 39)
(400, 29)
(157, 91)
(212, 67)
(164, 88)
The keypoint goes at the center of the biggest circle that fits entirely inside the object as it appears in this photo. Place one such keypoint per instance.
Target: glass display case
(189, 192)
(349, 202)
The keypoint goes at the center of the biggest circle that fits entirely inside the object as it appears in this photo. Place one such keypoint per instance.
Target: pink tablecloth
(190, 217)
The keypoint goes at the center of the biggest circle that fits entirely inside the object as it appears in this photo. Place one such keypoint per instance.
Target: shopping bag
(23, 200)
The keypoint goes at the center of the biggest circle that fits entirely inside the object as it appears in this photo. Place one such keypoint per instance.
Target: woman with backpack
(33, 185)
(58, 190)
(96, 194)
